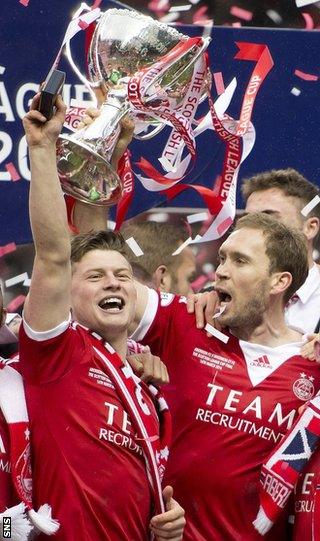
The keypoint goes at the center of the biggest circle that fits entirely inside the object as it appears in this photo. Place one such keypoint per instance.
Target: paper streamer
(306, 76)
(301, 3)
(217, 334)
(134, 246)
(16, 303)
(16, 279)
(241, 13)
(199, 217)
(310, 206)
(24, 3)
(12, 172)
(7, 249)
(295, 91)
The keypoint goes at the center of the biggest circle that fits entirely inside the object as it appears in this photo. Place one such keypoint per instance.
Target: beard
(248, 315)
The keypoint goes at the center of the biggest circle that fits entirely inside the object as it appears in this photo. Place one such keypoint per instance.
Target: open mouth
(111, 304)
(224, 297)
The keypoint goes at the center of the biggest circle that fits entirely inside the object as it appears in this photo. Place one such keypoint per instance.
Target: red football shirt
(230, 404)
(307, 502)
(87, 463)
(8, 496)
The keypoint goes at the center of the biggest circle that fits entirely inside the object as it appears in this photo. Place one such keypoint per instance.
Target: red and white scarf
(13, 407)
(154, 435)
(280, 472)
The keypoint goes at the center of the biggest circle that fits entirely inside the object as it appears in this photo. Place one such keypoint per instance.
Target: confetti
(83, 25)
(17, 279)
(96, 4)
(241, 13)
(224, 226)
(2, 70)
(237, 25)
(16, 303)
(217, 334)
(7, 249)
(295, 91)
(134, 246)
(200, 14)
(12, 172)
(310, 206)
(185, 244)
(306, 76)
(220, 311)
(309, 21)
(274, 16)
(301, 3)
(173, 9)
(199, 217)
(24, 3)
(218, 81)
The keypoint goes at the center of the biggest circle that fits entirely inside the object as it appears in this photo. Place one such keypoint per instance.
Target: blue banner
(286, 115)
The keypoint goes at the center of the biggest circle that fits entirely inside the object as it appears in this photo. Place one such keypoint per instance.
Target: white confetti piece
(295, 91)
(2, 70)
(27, 282)
(199, 217)
(218, 314)
(185, 244)
(134, 246)
(16, 279)
(217, 334)
(301, 3)
(185, 7)
(169, 18)
(310, 206)
(274, 16)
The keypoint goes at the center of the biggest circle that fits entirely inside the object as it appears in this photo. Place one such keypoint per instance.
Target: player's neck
(272, 332)
(119, 343)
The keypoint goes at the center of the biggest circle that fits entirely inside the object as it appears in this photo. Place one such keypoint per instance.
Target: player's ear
(162, 278)
(280, 281)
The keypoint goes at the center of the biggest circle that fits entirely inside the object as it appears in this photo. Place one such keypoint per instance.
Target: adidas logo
(261, 362)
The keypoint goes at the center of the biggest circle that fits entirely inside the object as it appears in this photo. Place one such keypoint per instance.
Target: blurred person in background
(158, 241)
(283, 194)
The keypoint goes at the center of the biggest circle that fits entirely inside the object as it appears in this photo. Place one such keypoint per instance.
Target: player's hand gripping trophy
(124, 43)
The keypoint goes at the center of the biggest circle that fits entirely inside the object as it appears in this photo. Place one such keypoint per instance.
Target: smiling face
(243, 279)
(103, 294)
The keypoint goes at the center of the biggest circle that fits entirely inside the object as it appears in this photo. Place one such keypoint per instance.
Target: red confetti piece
(96, 4)
(16, 303)
(83, 25)
(200, 14)
(306, 76)
(12, 172)
(7, 249)
(241, 13)
(24, 3)
(309, 21)
(218, 81)
(223, 227)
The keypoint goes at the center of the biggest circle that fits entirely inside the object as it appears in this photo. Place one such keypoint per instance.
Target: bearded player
(232, 397)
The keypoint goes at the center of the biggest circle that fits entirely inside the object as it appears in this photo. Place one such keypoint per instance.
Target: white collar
(311, 284)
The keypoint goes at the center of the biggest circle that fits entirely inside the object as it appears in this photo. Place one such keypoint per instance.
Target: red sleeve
(158, 324)
(46, 360)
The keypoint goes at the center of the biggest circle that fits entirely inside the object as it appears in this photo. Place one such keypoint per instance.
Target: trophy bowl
(123, 43)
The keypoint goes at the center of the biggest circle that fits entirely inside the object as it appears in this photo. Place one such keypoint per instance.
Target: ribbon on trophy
(186, 66)
(238, 136)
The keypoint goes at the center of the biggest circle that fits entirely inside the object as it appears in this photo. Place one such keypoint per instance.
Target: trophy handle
(90, 86)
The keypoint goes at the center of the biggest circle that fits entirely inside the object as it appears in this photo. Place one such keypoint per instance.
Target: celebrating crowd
(92, 446)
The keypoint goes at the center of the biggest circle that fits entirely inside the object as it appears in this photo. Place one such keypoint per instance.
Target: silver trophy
(123, 43)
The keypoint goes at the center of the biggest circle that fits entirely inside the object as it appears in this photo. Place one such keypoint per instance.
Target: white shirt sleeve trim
(148, 316)
(41, 336)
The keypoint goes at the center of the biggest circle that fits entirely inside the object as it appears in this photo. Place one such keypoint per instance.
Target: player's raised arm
(48, 302)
